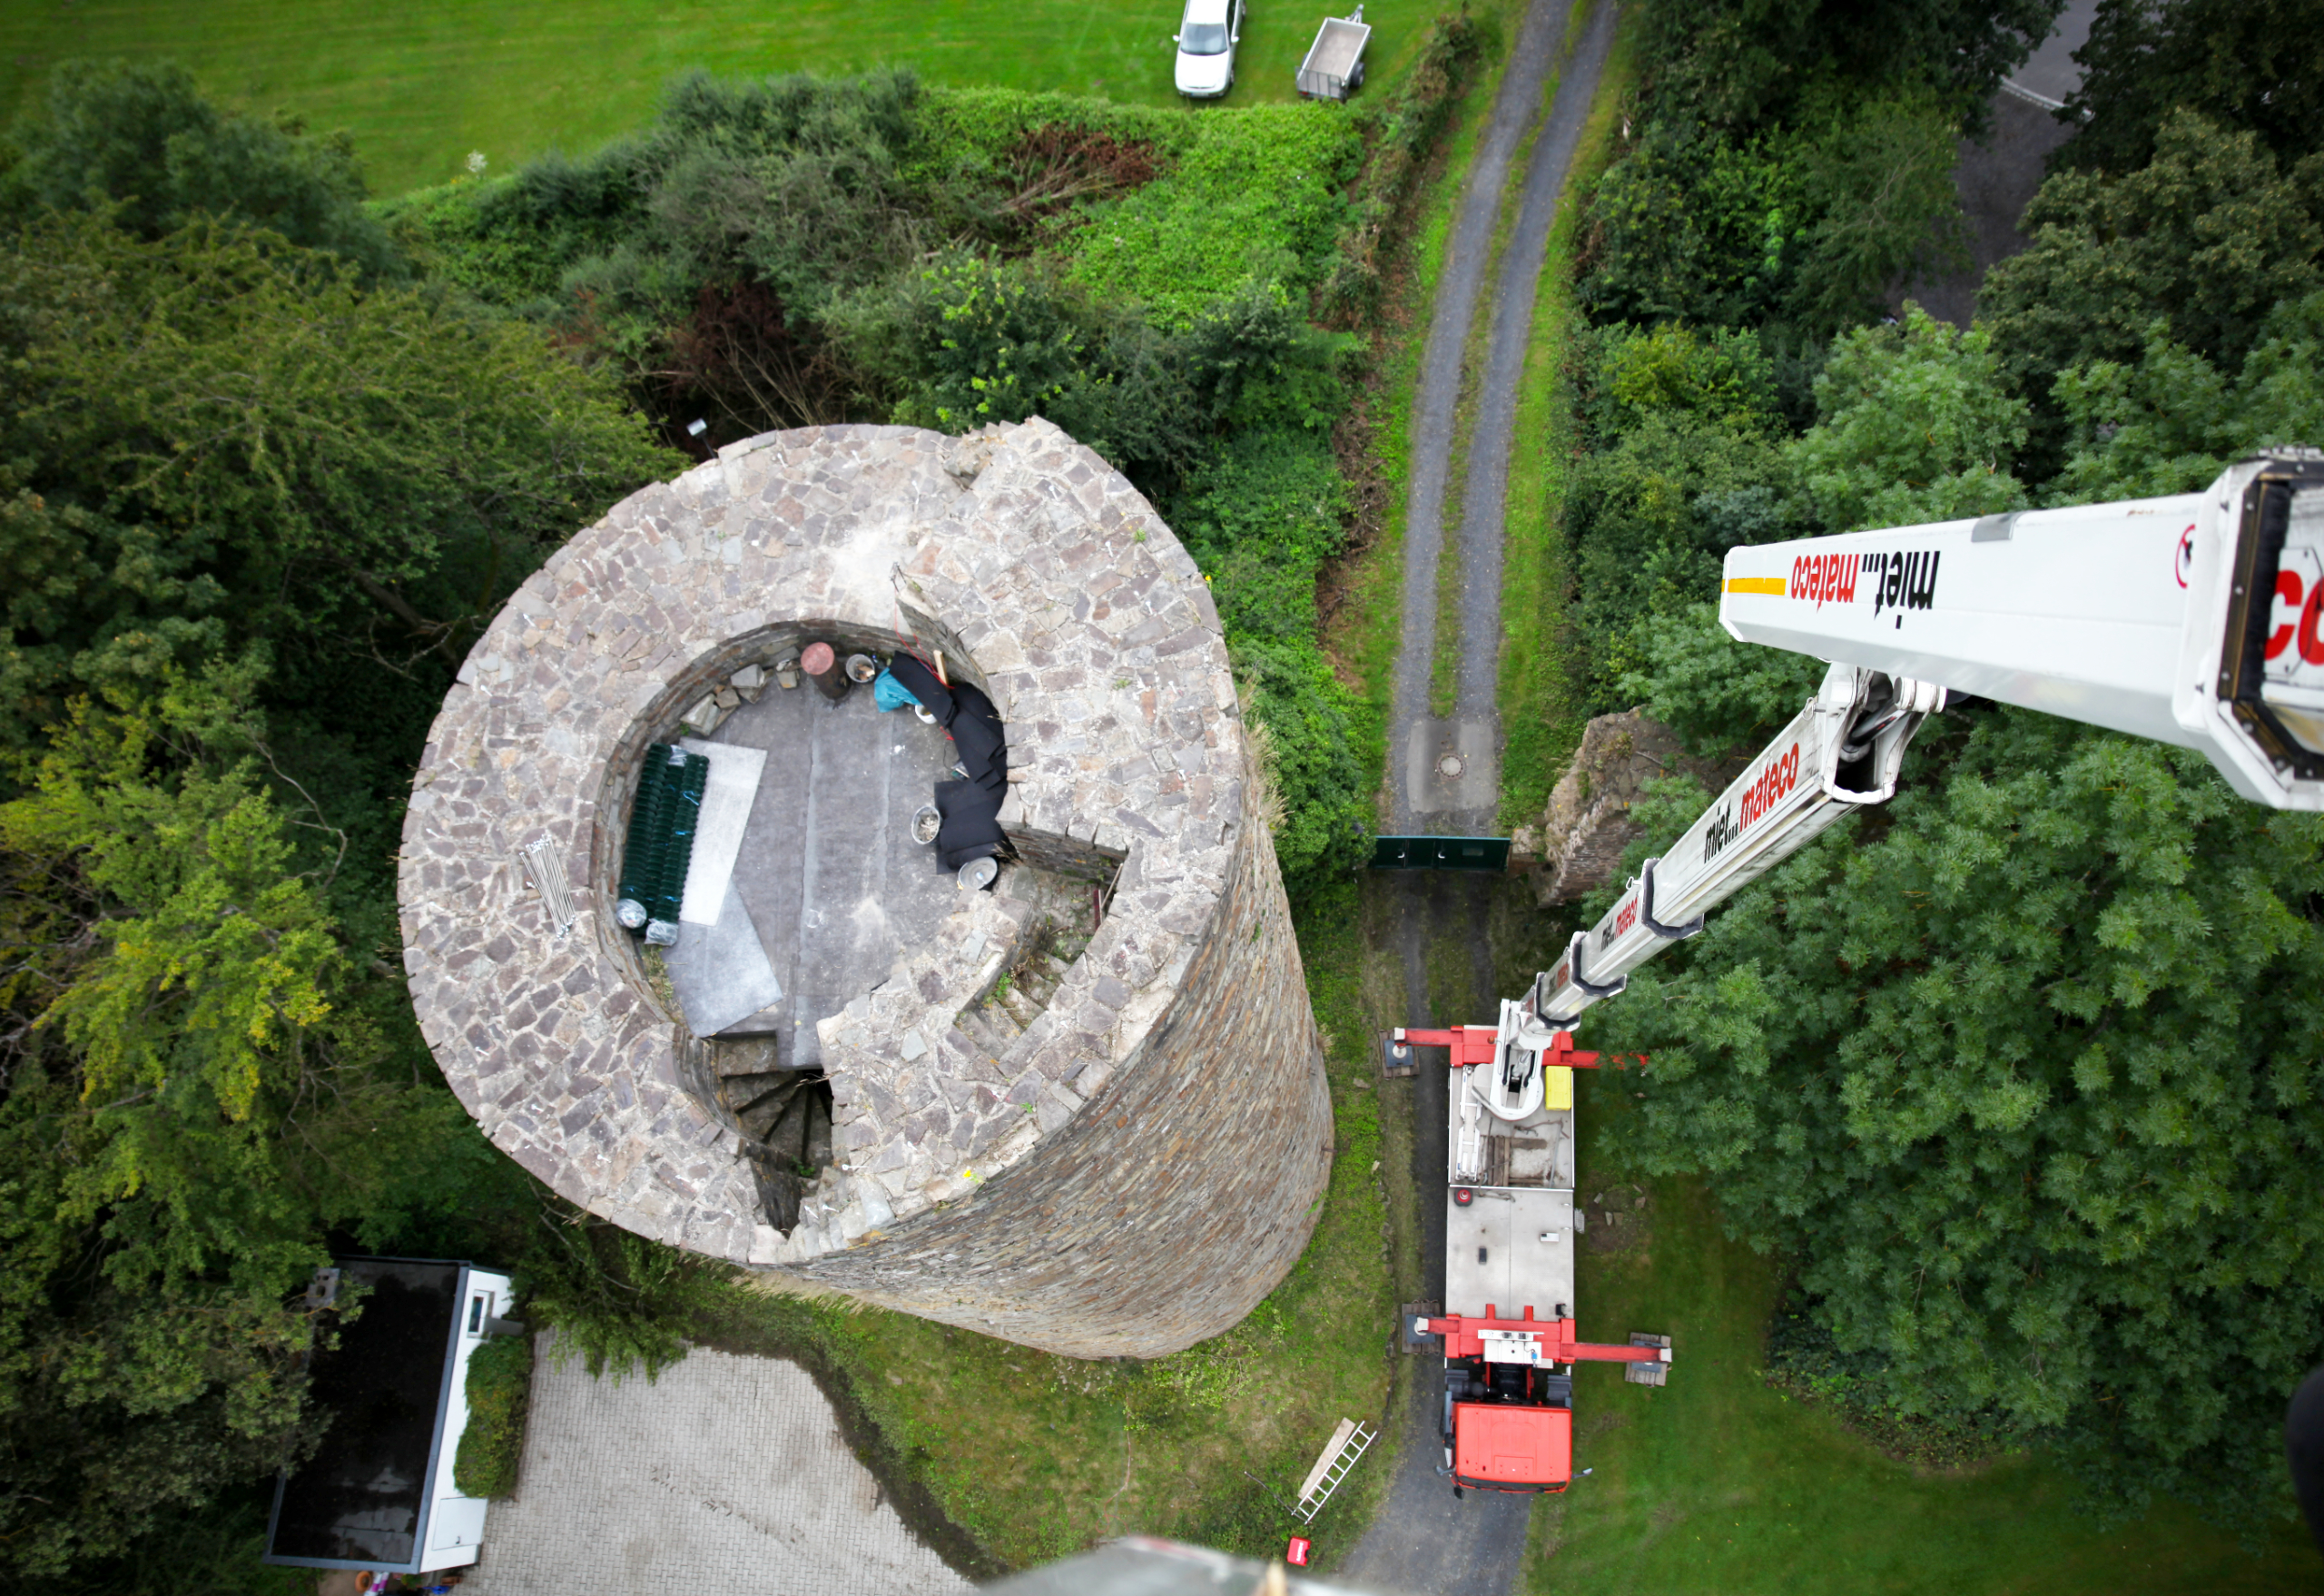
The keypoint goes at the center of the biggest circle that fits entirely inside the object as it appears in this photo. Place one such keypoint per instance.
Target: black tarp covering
(359, 1498)
(971, 808)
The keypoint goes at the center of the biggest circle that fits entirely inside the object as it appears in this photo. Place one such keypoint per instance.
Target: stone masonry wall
(1145, 1161)
(1147, 1222)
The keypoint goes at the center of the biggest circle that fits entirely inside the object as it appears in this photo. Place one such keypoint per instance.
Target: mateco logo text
(1901, 580)
(1824, 578)
(1775, 782)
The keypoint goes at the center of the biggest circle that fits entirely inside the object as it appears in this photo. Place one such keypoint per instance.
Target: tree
(202, 1079)
(1803, 225)
(1733, 64)
(2020, 1075)
(2173, 421)
(2252, 66)
(1686, 464)
(140, 144)
(211, 441)
(2207, 238)
(1917, 425)
(1722, 698)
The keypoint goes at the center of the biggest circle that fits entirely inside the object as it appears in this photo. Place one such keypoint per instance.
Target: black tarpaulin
(969, 808)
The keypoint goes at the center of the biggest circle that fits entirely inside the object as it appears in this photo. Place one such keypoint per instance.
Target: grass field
(1717, 1483)
(422, 83)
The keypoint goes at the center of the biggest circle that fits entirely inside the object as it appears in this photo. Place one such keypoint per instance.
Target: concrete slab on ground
(1452, 767)
(827, 867)
(726, 1477)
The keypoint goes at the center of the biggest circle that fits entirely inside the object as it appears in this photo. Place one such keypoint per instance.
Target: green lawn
(1717, 1483)
(421, 82)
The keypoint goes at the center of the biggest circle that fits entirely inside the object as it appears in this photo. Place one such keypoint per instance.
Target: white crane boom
(2192, 619)
(1841, 752)
(2196, 619)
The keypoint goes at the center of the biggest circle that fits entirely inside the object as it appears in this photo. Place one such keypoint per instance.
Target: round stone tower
(1083, 1109)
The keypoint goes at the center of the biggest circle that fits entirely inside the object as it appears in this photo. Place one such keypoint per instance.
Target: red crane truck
(1509, 1342)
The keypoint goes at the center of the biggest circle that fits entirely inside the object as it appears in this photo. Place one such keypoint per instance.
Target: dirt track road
(1425, 1542)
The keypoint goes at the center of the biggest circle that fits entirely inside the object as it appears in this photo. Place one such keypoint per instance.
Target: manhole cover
(1450, 766)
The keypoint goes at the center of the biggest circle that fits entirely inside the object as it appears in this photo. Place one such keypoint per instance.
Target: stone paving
(1170, 1099)
(726, 1477)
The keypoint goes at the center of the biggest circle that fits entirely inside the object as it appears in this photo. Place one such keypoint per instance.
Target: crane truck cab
(1508, 1412)
(1510, 1227)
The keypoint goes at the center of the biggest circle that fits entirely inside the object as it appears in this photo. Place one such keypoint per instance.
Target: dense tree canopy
(200, 1083)
(2252, 66)
(1734, 64)
(2205, 238)
(211, 442)
(2017, 1074)
(140, 142)
(2022, 1075)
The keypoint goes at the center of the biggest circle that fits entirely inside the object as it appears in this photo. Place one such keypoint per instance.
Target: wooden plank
(1324, 1463)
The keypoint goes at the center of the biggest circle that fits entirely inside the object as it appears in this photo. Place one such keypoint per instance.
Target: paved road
(728, 1476)
(1426, 1540)
(1415, 790)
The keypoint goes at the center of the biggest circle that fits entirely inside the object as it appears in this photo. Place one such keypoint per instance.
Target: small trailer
(1334, 65)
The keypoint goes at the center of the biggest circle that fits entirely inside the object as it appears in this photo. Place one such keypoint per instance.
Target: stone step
(739, 1092)
(785, 1136)
(1021, 1007)
(761, 1116)
(747, 1055)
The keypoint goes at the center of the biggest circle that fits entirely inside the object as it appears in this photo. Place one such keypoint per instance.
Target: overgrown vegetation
(499, 1388)
(2011, 1073)
(273, 457)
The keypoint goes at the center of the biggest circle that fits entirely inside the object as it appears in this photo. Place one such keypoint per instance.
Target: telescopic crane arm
(2196, 619)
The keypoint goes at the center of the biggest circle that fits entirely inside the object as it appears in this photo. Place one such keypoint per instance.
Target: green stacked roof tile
(662, 827)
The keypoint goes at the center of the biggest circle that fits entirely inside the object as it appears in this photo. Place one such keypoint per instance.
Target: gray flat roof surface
(1495, 1253)
(829, 871)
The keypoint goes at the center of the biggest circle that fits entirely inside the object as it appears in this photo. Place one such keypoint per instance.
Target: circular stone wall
(1133, 1172)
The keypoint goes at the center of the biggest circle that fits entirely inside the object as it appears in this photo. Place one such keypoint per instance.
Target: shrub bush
(500, 1392)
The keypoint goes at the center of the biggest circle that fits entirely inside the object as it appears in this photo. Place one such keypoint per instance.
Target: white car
(1207, 41)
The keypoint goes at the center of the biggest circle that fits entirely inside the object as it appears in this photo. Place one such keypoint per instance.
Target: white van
(1207, 41)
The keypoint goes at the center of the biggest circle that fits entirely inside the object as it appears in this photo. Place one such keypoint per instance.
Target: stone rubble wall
(1175, 1075)
(1170, 1205)
(1587, 826)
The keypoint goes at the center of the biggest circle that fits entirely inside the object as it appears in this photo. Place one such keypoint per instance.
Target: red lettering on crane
(2311, 647)
(1626, 917)
(1824, 578)
(2288, 592)
(1778, 778)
